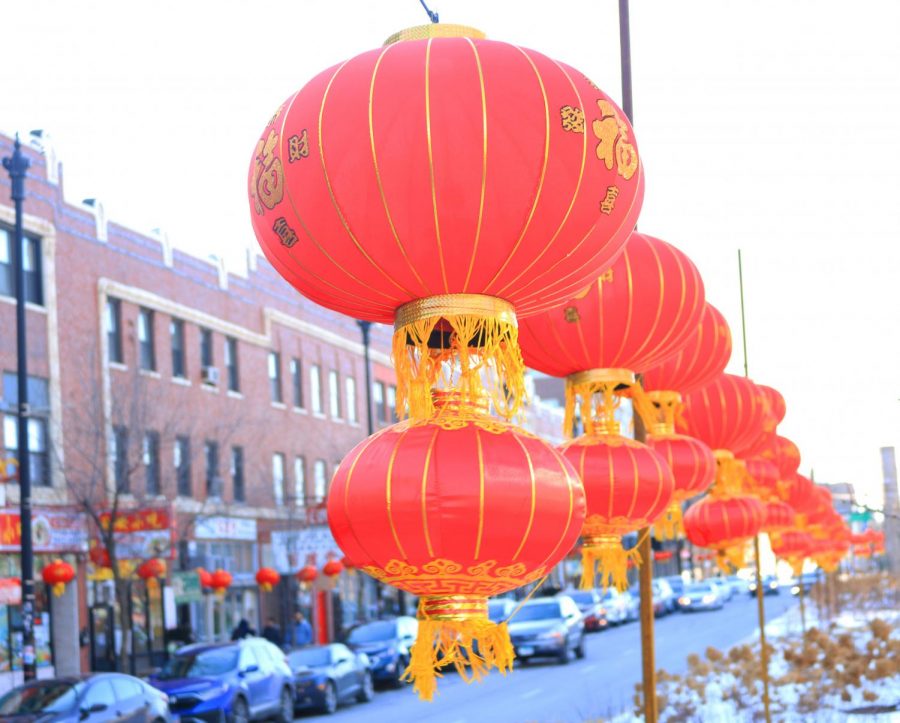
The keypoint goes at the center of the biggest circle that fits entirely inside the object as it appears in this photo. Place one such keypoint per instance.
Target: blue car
(387, 644)
(235, 682)
(327, 675)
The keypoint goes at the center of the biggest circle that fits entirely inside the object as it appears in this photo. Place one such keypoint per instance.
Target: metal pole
(17, 165)
(365, 327)
(645, 578)
(764, 653)
(802, 608)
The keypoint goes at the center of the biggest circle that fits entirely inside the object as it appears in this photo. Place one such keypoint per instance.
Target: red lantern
(151, 569)
(702, 360)
(220, 581)
(642, 311)
(446, 165)
(792, 546)
(627, 486)
(99, 556)
(662, 555)
(267, 578)
(205, 578)
(785, 455)
(455, 509)
(724, 524)
(446, 183)
(307, 574)
(57, 575)
(693, 470)
(779, 517)
(763, 476)
(332, 568)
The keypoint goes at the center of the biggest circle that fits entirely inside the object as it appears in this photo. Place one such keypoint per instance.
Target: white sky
(769, 126)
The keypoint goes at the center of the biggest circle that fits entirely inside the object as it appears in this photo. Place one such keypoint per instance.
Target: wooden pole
(802, 608)
(764, 653)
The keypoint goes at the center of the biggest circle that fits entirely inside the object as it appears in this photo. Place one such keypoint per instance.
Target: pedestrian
(272, 633)
(243, 630)
(302, 632)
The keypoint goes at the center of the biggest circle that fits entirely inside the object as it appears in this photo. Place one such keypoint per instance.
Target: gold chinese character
(613, 145)
(267, 184)
(572, 119)
(606, 130)
(609, 203)
(606, 276)
(298, 146)
(572, 315)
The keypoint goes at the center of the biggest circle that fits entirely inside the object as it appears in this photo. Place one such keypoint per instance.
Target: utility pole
(17, 166)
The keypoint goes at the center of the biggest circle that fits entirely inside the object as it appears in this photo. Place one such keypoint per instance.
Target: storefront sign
(51, 531)
(186, 587)
(225, 528)
(291, 548)
(142, 534)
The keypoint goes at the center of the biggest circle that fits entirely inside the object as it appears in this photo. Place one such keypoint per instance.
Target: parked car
(724, 587)
(548, 627)
(632, 605)
(737, 584)
(244, 680)
(591, 608)
(676, 582)
(807, 579)
(91, 698)
(387, 643)
(662, 591)
(700, 596)
(327, 675)
(617, 606)
(770, 586)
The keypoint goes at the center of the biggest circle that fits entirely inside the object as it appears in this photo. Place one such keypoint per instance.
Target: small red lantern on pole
(220, 581)
(267, 578)
(205, 578)
(307, 575)
(57, 575)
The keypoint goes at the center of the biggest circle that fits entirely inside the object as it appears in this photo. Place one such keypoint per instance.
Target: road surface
(601, 685)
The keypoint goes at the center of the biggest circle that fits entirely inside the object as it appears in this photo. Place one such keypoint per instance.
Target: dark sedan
(91, 698)
(387, 643)
(770, 586)
(548, 627)
(591, 606)
(328, 675)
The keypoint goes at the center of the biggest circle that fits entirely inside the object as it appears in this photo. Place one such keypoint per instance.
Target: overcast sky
(773, 127)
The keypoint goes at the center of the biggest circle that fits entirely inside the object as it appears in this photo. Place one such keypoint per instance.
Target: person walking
(243, 630)
(272, 633)
(302, 633)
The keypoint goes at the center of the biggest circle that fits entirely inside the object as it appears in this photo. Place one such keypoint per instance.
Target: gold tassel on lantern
(732, 555)
(454, 630)
(59, 588)
(604, 556)
(466, 343)
(670, 526)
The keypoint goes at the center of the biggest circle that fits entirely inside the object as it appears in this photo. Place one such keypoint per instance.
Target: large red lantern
(455, 509)
(57, 575)
(267, 578)
(785, 455)
(724, 524)
(220, 581)
(779, 517)
(445, 183)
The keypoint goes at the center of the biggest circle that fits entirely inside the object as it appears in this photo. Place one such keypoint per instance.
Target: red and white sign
(10, 591)
(51, 531)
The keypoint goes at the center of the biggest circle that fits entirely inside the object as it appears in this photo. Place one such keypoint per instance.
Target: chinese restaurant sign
(51, 531)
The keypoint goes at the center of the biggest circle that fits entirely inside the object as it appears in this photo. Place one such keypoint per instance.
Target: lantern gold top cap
(435, 30)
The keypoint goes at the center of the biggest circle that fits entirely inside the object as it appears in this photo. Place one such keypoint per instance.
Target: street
(601, 685)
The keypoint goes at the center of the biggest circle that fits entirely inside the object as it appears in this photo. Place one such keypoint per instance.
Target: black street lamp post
(17, 165)
(365, 327)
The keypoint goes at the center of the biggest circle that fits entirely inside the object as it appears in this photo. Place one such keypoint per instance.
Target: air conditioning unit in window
(210, 375)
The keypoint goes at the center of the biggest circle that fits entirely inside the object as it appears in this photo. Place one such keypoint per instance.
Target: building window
(114, 330)
(182, 459)
(275, 376)
(213, 480)
(392, 404)
(145, 340)
(206, 348)
(231, 364)
(334, 395)
(151, 462)
(350, 399)
(378, 402)
(299, 481)
(31, 247)
(237, 473)
(278, 477)
(120, 460)
(39, 408)
(297, 383)
(320, 480)
(315, 388)
(179, 363)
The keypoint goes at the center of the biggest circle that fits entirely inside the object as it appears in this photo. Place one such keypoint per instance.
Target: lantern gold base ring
(604, 555)
(454, 630)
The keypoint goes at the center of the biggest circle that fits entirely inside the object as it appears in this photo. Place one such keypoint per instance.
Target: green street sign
(186, 586)
(863, 516)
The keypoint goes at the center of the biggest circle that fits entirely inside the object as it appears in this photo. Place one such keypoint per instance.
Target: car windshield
(700, 588)
(211, 662)
(539, 611)
(582, 597)
(373, 632)
(51, 696)
(310, 657)
(497, 611)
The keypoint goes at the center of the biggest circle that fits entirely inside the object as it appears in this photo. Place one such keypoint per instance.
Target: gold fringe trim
(664, 408)
(471, 646)
(730, 556)
(607, 559)
(462, 343)
(670, 525)
(593, 393)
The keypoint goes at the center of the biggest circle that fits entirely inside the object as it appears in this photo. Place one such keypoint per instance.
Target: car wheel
(367, 691)
(240, 713)
(579, 651)
(402, 664)
(565, 657)
(329, 699)
(286, 707)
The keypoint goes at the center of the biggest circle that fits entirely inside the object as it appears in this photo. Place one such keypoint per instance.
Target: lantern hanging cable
(761, 610)
(433, 16)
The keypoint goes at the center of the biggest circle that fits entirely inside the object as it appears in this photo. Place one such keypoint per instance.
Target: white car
(616, 605)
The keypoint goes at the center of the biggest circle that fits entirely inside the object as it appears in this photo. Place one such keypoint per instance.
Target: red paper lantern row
(267, 578)
(724, 524)
(57, 575)
(151, 569)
